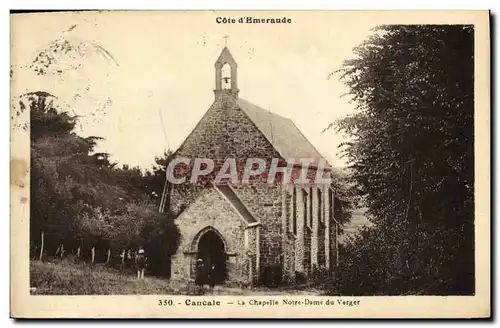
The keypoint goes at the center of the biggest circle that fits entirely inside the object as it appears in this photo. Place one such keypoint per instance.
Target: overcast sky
(161, 65)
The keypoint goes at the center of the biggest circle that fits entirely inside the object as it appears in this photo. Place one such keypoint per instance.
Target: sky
(142, 80)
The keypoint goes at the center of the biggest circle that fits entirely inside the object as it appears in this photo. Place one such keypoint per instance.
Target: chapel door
(211, 251)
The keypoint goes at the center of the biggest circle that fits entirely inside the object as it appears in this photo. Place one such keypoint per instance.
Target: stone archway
(211, 248)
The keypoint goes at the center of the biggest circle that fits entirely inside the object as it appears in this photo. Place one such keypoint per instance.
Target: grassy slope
(65, 278)
(71, 279)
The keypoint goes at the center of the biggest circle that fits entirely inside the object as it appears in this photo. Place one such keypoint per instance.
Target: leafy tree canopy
(411, 155)
(78, 196)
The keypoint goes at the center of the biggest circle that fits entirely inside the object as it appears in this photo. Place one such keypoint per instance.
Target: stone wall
(321, 245)
(309, 247)
(264, 202)
(210, 209)
(223, 132)
(226, 132)
(289, 236)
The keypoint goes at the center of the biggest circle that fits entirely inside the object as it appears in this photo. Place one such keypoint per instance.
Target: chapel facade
(243, 229)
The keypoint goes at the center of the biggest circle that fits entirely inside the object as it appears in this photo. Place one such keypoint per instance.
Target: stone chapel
(242, 229)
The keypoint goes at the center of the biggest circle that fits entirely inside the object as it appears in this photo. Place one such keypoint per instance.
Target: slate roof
(281, 132)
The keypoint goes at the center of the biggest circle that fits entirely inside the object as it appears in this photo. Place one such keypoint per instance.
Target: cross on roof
(225, 40)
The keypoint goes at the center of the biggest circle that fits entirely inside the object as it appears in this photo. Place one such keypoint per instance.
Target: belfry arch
(226, 74)
(226, 77)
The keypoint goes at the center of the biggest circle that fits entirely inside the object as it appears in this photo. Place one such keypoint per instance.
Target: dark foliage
(412, 162)
(79, 198)
(161, 238)
(272, 275)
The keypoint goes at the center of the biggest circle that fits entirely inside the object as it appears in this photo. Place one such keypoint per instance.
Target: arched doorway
(212, 251)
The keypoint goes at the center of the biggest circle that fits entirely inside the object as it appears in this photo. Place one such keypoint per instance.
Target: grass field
(66, 278)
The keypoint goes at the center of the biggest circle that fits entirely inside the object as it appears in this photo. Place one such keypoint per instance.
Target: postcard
(250, 164)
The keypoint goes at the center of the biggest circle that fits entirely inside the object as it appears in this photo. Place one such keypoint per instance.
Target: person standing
(140, 262)
(200, 272)
(129, 261)
(212, 276)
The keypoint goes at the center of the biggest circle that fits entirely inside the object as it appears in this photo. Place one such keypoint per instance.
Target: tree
(411, 155)
(65, 176)
(345, 199)
(161, 238)
(155, 178)
(77, 195)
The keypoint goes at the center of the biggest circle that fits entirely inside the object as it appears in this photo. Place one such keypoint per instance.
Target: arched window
(226, 76)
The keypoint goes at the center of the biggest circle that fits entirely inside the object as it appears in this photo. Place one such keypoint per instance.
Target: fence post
(123, 259)
(41, 249)
(93, 254)
(77, 258)
(109, 254)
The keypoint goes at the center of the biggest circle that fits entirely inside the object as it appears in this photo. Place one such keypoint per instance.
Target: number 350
(165, 302)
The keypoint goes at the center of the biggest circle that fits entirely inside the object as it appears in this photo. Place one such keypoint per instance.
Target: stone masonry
(260, 224)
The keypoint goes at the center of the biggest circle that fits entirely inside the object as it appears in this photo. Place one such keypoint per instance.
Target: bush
(160, 238)
(272, 276)
(320, 275)
(300, 278)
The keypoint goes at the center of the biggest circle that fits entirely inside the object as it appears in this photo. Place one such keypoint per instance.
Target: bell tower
(226, 73)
